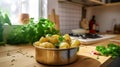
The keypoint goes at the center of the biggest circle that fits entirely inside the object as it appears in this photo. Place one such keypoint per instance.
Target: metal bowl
(55, 56)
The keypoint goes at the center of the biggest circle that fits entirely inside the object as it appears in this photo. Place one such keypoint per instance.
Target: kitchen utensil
(54, 18)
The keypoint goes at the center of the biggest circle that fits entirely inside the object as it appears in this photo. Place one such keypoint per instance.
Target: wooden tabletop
(24, 56)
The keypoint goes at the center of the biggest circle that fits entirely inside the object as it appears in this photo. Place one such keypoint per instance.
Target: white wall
(89, 14)
(105, 16)
(52, 4)
(70, 16)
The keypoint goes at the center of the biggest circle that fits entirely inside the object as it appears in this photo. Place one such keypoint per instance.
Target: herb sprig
(111, 50)
(31, 32)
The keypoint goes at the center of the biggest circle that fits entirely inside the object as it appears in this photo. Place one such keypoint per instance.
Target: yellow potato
(52, 40)
(56, 36)
(75, 43)
(47, 45)
(43, 39)
(67, 38)
(64, 45)
(37, 43)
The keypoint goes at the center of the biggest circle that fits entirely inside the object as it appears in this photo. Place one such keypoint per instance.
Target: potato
(64, 45)
(43, 39)
(75, 43)
(47, 45)
(37, 43)
(56, 36)
(50, 41)
(53, 39)
(67, 38)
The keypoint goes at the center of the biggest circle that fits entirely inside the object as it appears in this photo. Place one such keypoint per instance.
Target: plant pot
(1, 36)
(24, 18)
(1, 33)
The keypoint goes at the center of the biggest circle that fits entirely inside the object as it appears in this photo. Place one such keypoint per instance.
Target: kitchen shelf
(111, 4)
(83, 2)
(89, 3)
(97, 2)
(107, 5)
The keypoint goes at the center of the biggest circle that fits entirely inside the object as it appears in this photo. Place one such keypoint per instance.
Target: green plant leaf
(32, 32)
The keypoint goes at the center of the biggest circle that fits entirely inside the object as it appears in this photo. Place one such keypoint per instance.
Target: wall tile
(70, 16)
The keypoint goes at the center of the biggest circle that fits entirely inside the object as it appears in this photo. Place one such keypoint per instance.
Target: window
(35, 9)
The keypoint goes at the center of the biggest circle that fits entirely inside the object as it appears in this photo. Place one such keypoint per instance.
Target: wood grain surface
(24, 56)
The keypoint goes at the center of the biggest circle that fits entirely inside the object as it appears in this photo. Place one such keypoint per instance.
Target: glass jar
(24, 15)
(24, 18)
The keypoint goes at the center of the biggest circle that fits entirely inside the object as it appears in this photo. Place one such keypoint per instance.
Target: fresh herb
(97, 57)
(8, 54)
(34, 66)
(31, 32)
(2, 43)
(12, 60)
(12, 64)
(13, 56)
(31, 56)
(60, 39)
(27, 55)
(4, 19)
(111, 50)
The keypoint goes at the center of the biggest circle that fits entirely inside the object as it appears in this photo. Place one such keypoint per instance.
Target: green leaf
(111, 50)
(7, 20)
(32, 31)
(4, 18)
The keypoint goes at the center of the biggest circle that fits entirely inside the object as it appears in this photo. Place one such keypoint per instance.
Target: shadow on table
(83, 61)
(114, 63)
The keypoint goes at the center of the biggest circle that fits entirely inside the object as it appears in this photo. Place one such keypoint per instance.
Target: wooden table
(24, 56)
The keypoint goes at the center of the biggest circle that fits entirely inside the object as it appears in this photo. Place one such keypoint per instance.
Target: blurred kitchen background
(70, 12)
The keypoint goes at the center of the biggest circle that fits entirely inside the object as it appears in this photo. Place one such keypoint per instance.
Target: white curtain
(43, 8)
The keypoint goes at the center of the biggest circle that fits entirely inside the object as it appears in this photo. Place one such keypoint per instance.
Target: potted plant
(3, 19)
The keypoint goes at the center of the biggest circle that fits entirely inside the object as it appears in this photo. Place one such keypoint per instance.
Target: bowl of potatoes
(56, 49)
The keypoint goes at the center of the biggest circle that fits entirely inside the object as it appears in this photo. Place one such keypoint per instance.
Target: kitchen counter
(24, 56)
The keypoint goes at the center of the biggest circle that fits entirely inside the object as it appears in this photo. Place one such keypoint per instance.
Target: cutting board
(54, 18)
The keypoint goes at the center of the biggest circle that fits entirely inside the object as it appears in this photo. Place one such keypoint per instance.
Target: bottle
(117, 28)
(92, 25)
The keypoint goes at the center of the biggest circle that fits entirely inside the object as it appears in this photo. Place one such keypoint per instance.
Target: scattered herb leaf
(32, 56)
(12, 60)
(8, 54)
(97, 57)
(13, 56)
(12, 64)
(27, 55)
